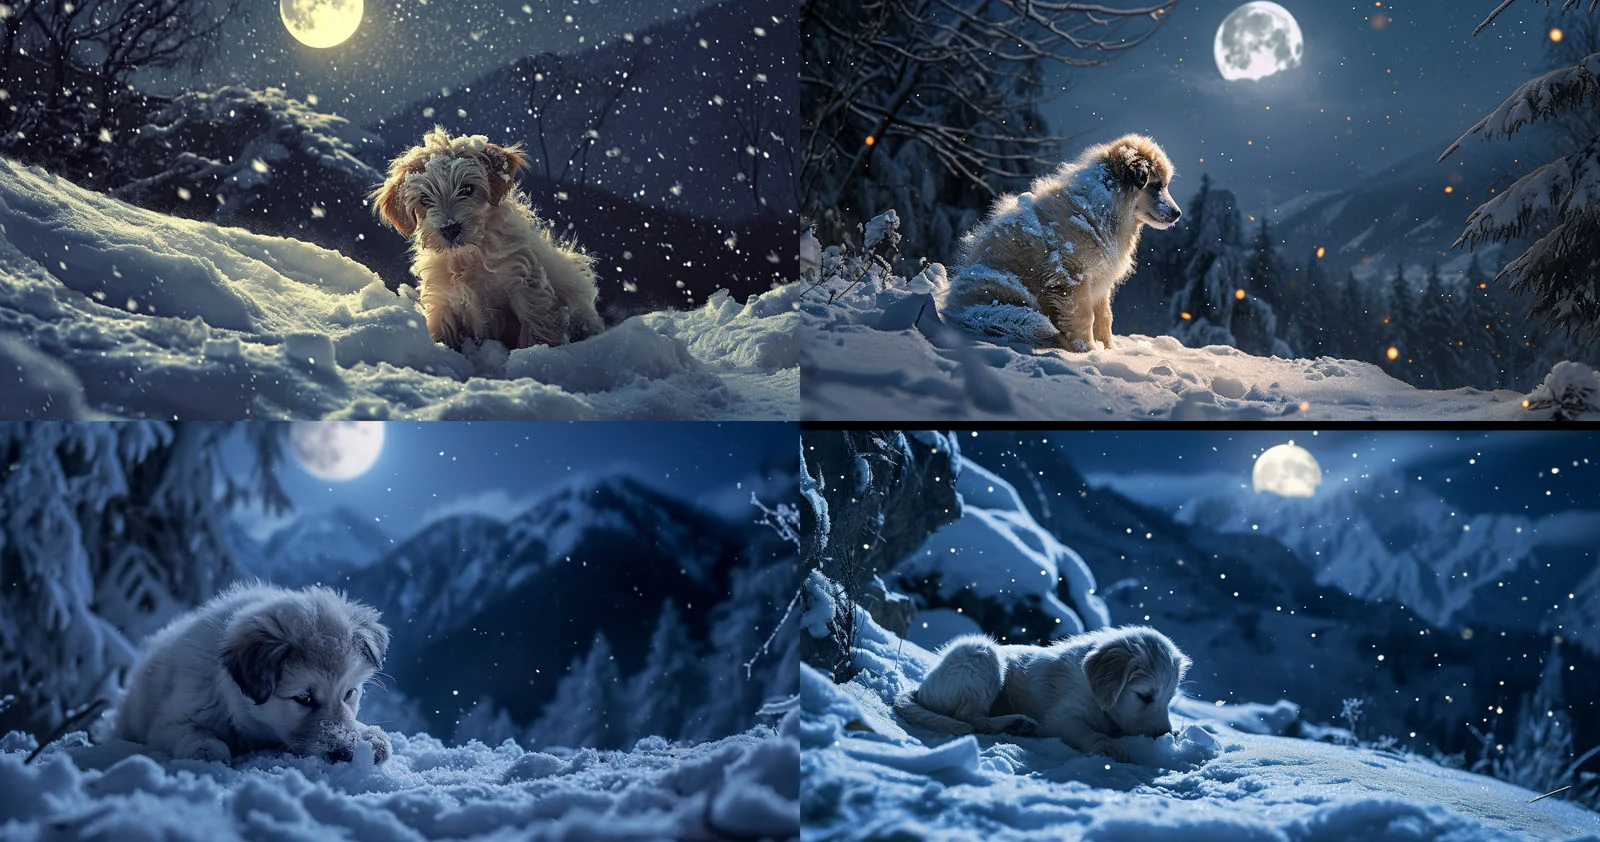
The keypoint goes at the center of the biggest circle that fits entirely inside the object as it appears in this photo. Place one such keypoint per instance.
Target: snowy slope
(741, 787)
(882, 354)
(159, 317)
(318, 546)
(866, 777)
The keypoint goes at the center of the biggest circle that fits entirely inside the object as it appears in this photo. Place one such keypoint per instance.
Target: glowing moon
(336, 450)
(321, 23)
(1257, 40)
(1288, 471)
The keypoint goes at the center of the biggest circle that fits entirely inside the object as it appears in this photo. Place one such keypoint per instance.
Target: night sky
(428, 469)
(1509, 472)
(1379, 82)
(406, 49)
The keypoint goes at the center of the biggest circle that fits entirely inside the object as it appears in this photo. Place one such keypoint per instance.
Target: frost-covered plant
(843, 268)
(1350, 712)
(1539, 756)
(1571, 392)
(1559, 201)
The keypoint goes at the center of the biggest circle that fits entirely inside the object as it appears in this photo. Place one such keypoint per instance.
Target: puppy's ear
(502, 163)
(1130, 166)
(1108, 668)
(371, 637)
(387, 203)
(253, 652)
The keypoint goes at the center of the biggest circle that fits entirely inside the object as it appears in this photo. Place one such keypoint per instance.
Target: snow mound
(861, 364)
(745, 786)
(157, 316)
(867, 778)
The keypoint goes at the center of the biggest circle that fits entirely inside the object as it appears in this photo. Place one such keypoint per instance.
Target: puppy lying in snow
(1088, 690)
(258, 667)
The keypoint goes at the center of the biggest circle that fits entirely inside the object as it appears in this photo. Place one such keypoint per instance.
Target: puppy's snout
(451, 232)
(1177, 213)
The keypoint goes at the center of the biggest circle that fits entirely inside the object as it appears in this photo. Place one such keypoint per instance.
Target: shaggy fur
(1042, 268)
(258, 667)
(488, 266)
(1088, 690)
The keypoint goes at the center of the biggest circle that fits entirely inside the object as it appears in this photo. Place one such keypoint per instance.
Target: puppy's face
(1143, 170)
(302, 663)
(1134, 678)
(1155, 207)
(439, 193)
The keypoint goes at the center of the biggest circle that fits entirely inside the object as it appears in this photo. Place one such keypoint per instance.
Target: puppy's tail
(915, 714)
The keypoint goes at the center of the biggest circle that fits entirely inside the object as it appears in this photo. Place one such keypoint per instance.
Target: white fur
(184, 700)
(1087, 690)
(504, 276)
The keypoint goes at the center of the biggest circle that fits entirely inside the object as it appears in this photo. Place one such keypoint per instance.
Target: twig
(66, 725)
(767, 644)
(1548, 794)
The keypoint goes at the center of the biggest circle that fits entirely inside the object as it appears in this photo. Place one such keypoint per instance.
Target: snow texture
(862, 365)
(742, 787)
(157, 316)
(868, 778)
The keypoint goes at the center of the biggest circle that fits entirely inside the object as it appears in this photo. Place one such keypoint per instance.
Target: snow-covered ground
(866, 777)
(110, 310)
(882, 353)
(741, 787)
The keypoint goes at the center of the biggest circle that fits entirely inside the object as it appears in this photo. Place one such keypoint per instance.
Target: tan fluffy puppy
(1042, 268)
(488, 266)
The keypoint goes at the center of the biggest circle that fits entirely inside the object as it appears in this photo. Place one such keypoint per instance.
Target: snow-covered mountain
(498, 610)
(314, 547)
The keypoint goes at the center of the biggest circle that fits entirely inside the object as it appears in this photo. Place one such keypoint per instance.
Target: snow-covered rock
(160, 317)
(745, 786)
(856, 370)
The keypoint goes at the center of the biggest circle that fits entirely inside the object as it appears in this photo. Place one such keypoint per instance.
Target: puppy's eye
(465, 191)
(350, 694)
(304, 700)
(1147, 698)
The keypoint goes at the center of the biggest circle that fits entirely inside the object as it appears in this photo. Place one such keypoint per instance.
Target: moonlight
(321, 23)
(1288, 471)
(336, 450)
(1256, 41)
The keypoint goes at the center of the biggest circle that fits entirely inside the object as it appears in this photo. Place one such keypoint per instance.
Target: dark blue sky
(1492, 471)
(496, 467)
(407, 49)
(1379, 82)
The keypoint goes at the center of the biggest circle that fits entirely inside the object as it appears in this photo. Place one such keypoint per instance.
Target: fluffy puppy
(488, 267)
(258, 667)
(1088, 690)
(1042, 267)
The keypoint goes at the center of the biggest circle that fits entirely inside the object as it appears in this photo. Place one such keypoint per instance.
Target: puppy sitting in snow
(488, 266)
(1042, 268)
(258, 667)
(1088, 690)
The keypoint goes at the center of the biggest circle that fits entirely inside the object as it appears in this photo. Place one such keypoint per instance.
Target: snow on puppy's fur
(489, 268)
(1087, 690)
(1042, 268)
(258, 667)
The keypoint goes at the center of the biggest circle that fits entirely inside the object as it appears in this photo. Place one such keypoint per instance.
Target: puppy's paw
(1022, 726)
(1110, 748)
(379, 740)
(1077, 346)
(203, 747)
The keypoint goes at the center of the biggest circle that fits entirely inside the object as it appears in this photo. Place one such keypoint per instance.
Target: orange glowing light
(1239, 294)
(1449, 189)
(1305, 406)
(1393, 353)
(1556, 35)
(871, 140)
(1320, 252)
(1379, 22)
(1524, 403)
(1187, 317)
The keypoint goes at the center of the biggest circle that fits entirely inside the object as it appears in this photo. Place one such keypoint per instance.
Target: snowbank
(867, 778)
(745, 787)
(884, 354)
(158, 316)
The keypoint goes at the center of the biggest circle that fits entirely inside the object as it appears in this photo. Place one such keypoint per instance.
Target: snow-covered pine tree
(1400, 327)
(1213, 304)
(587, 708)
(665, 695)
(1310, 331)
(1436, 349)
(1559, 202)
(486, 723)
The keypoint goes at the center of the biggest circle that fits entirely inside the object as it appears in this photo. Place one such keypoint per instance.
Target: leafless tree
(959, 80)
(553, 87)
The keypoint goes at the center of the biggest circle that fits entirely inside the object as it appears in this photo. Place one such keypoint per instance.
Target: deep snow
(157, 316)
(741, 787)
(882, 353)
(866, 777)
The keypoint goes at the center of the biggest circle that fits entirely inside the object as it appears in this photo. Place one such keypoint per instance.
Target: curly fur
(488, 266)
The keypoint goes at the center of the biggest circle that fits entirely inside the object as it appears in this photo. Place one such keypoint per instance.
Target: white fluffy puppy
(1042, 268)
(1088, 690)
(487, 265)
(258, 667)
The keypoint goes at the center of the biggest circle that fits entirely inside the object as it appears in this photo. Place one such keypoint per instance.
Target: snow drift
(155, 316)
(878, 349)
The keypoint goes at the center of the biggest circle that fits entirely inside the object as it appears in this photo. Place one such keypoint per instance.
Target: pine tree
(587, 708)
(1315, 334)
(1400, 327)
(1436, 344)
(665, 692)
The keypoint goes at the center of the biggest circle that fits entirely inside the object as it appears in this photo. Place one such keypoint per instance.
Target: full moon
(1255, 41)
(321, 23)
(1288, 471)
(336, 450)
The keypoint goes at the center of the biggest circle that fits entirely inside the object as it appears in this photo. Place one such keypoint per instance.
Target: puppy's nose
(451, 232)
(342, 754)
(1177, 214)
